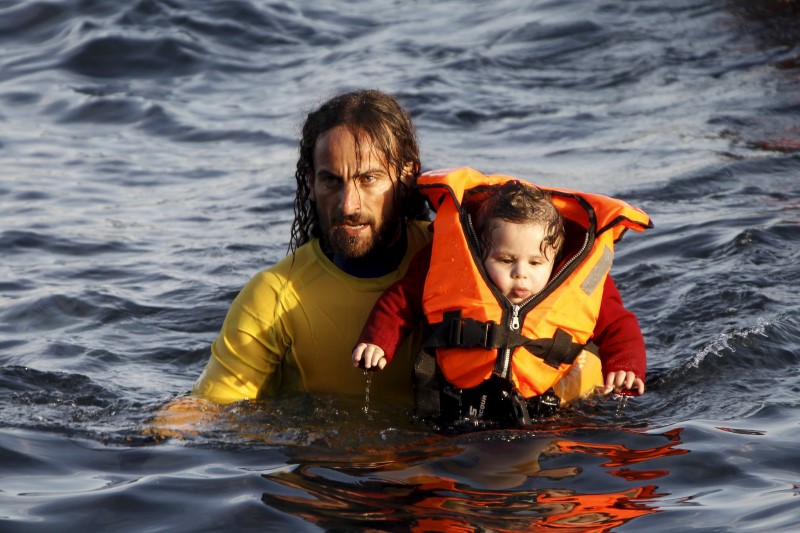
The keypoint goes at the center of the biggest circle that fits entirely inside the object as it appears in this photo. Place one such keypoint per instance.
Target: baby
(521, 236)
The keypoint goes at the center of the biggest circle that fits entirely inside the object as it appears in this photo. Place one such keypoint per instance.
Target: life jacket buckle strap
(469, 333)
(556, 351)
(457, 332)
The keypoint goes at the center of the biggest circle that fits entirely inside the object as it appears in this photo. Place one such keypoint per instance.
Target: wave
(22, 241)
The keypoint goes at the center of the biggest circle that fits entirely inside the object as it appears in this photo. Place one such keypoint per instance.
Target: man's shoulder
(280, 281)
(419, 234)
(306, 256)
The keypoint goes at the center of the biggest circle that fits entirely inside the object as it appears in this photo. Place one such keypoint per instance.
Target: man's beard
(358, 247)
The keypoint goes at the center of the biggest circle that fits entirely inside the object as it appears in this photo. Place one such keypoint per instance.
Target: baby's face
(515, 262)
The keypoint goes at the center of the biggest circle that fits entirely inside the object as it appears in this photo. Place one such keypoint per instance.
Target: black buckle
(544, 405)
(469, 333)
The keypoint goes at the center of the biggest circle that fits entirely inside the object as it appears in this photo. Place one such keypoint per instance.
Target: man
(357, 225)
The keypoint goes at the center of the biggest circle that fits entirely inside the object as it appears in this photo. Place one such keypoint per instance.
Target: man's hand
(183, 418)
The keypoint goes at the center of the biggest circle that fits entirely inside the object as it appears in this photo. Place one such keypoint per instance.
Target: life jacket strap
(558, 350)
(456, 332)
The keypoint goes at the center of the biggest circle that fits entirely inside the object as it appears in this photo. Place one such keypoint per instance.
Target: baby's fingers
(623, 382)
(373, 356)
(358, 354)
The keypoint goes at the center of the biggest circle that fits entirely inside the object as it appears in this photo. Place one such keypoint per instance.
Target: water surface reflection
(496, 481)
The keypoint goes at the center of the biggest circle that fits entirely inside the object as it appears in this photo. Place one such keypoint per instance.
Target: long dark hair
(370, 115)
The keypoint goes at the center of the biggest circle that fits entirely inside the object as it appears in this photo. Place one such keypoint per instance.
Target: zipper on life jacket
(516, 312)
(515, 317)
(506, 362)
(513, 326)
(522, 308)
(513, 323)
(539, 296)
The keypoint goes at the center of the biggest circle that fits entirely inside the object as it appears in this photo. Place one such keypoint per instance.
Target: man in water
(357, 225)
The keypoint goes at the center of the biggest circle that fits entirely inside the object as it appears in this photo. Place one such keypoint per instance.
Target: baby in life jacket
(518, 236)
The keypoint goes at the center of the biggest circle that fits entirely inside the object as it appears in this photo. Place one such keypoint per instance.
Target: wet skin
(516, 262)
(354, 196)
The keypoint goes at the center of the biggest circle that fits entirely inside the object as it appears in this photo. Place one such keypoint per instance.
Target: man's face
(355, 203)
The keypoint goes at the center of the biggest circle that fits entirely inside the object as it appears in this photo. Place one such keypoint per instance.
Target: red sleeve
(399, 309)
(618, 335)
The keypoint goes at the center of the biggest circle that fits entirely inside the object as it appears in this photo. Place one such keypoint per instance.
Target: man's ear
(409, 174)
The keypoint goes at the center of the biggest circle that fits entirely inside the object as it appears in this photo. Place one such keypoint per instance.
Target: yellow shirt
(293, 327)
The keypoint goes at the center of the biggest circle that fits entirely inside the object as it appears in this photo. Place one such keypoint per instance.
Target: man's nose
(351, 198)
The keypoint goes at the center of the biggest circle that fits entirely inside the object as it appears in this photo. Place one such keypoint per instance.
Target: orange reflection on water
(476, 486)
(439, 504)
(620, 455)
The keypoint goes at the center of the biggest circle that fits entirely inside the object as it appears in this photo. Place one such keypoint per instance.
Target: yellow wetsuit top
(293, 327)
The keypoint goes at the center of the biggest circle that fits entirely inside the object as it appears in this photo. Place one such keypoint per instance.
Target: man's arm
(241, 366)
(235, 371)
(246, 357)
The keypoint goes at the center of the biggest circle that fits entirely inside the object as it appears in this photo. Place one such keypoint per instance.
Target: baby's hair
(519, 203)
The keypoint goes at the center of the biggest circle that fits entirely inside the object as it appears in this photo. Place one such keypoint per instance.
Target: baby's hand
(623, 381)
(369, 356)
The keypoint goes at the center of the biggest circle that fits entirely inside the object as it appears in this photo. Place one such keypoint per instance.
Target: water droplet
(368, 376)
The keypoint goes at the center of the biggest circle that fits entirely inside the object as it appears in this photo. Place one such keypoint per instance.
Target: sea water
(147, 153)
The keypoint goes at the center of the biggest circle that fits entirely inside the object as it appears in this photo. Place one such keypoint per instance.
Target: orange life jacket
(477, 331)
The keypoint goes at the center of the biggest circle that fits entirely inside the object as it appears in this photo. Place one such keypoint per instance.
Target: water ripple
(148, 151)
(21, 241)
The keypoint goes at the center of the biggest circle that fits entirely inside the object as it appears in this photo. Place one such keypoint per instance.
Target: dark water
(146, 156)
